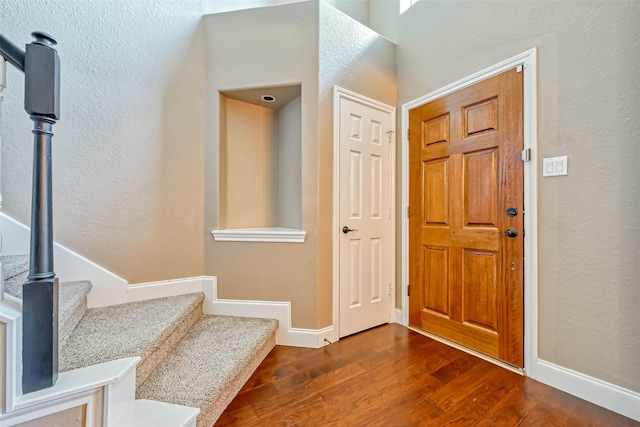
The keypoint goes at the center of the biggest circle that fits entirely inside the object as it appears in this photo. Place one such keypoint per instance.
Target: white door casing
(365, 200)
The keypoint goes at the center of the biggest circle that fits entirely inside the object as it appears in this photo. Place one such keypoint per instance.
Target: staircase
(187, 358)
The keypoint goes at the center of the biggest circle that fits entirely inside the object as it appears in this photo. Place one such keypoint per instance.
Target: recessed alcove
(260, 165)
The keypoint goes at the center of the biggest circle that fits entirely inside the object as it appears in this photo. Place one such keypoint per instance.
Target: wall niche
(260, 165)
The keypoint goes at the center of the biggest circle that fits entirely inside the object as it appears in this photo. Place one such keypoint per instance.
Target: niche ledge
(269, 234)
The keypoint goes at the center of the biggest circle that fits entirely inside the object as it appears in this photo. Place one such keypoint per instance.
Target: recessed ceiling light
(268, 98)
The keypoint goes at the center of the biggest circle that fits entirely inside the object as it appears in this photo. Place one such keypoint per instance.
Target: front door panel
(466, 275)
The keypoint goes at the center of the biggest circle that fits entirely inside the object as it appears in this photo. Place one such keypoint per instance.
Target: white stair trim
(153, 413)
(74, 388)
(80, 381)
(280, 310)
(11, 351)
(108, 288)
(615, 398)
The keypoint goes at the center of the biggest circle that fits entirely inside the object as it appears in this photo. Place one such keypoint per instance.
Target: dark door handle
(346, 229)
(511, 232)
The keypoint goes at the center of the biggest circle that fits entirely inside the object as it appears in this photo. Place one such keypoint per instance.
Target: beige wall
(290, 165)
(383, 18)
(356, 58)
(588, 109)
(128, 151)
(128, 174)
(328, 48)
(136, 155)
(276, 46)
(246, 165)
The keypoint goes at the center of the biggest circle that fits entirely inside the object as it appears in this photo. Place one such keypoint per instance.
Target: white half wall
(108, 288)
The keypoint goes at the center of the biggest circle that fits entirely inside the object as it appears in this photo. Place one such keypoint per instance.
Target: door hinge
(408, 134)
(408, 290)
(526, 155)
(408, 212)
(389, 289)
(389, 213)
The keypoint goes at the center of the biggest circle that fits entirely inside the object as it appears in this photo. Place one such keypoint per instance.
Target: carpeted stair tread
(126, 330)
(210, 364)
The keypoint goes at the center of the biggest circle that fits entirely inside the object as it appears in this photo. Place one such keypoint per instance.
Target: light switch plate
(554, 166)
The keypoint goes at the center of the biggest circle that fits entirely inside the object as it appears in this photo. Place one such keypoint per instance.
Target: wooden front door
(466, 217)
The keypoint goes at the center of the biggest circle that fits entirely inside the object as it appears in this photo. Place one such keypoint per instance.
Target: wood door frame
(338, 94)
(527, 60)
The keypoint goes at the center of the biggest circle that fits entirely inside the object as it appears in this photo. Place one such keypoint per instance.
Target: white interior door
(366, 244)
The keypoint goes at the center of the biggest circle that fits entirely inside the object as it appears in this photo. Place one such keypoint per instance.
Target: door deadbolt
(512, 212)
(346, 229)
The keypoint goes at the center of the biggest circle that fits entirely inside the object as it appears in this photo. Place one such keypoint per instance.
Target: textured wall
(356, 58)
(127, 153)
(278, 47)
(329, 48)
(383, 17)
(588, 91)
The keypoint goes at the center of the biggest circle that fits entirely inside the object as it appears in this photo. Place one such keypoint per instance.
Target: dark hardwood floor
(391, 376)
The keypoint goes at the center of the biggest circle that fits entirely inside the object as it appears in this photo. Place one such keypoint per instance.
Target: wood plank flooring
(391, 376)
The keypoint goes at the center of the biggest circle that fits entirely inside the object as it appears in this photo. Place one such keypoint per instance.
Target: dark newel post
(40, 292)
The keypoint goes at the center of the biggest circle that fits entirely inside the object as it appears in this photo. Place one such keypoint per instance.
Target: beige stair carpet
(72, 304)
(72, 297)
(148, 329)
(187, 359)
(16, 268)
(210, 364)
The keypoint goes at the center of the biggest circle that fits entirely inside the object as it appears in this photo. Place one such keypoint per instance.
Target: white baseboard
(399, 318)
(601, 393)
(166, 288)
(286, 334)
(108, 288)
